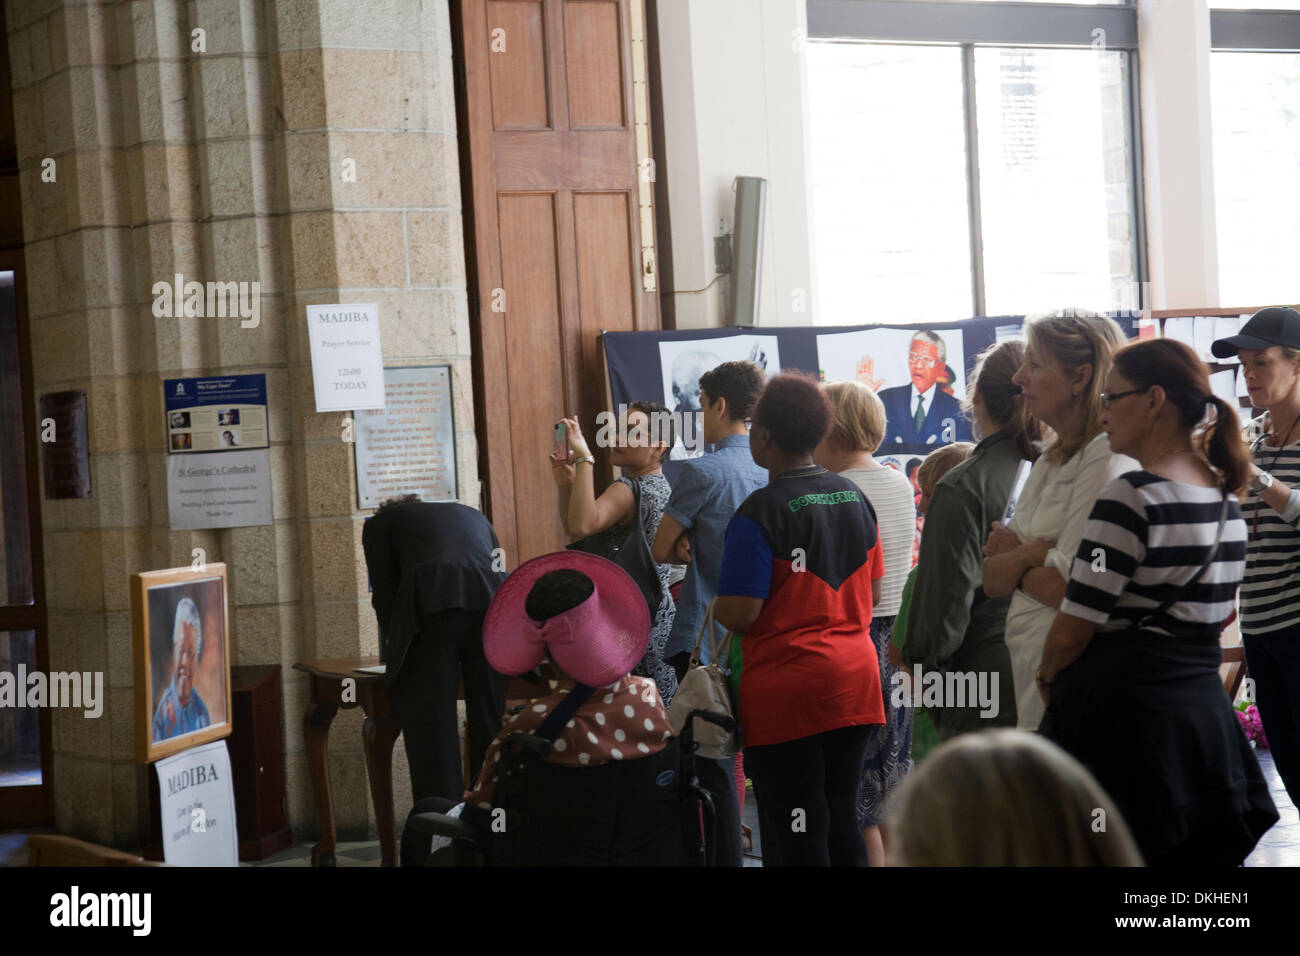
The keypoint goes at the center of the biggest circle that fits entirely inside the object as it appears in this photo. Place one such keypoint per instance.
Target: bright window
(1256, 121)
(890, 208)
(1054, 177)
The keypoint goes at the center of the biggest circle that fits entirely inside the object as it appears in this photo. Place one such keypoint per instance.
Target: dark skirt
(1147, 714)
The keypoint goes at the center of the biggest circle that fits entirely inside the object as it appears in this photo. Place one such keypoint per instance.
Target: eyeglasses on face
(1107, 399)
(925, 361)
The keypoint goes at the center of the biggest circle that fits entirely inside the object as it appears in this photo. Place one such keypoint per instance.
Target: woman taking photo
(1131, 664)
(606, 521)
(1067, 358)
(857, 429)
(801, 573)
(1269, 346)
(952, 624)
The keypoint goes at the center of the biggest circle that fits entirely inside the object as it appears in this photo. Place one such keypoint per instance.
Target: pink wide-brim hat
(596, 642)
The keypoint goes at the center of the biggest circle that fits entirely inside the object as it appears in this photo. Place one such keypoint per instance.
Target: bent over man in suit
(433, 573)
(920, 417)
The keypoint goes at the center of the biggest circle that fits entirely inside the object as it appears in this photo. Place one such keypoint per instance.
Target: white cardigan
(1055, 504)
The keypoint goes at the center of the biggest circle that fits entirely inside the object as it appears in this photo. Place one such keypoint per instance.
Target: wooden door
(554, 132)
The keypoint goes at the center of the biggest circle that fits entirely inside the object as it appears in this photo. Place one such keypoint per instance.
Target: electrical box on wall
(747, 250)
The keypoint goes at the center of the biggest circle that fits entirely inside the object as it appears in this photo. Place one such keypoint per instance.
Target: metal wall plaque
(408, 446)
(65, 445)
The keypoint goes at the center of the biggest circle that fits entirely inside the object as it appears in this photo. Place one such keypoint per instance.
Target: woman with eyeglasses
(1130, 670)
(1269, 347)
(1066, 363)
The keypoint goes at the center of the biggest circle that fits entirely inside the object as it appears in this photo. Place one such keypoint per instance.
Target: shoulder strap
(1214, 550)
(706, 627)
(636, 501)
(554, 723)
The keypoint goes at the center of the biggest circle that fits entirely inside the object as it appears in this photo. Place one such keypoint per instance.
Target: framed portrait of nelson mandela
(180, 626)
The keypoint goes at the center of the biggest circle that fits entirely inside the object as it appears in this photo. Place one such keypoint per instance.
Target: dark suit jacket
(901, 436)
(425, 557)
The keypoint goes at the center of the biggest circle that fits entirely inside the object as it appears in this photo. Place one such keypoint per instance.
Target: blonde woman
(1007, 798)
(1067, 359)
(857, 429)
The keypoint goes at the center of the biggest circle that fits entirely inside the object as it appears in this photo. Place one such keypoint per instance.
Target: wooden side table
(378, 734)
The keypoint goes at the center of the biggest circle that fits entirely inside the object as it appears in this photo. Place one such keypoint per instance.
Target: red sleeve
(877, 559)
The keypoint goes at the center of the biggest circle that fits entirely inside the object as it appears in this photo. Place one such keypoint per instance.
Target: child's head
(1007, 798)
(937, 464)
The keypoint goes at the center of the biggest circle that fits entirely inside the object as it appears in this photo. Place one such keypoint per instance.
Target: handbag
(705, 687)
(1052, 724)
(633, 555)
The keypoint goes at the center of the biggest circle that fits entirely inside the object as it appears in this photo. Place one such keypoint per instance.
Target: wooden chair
(50, 849)
(1233, 668)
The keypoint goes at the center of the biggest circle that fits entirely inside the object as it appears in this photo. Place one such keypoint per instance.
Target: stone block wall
(227, 163)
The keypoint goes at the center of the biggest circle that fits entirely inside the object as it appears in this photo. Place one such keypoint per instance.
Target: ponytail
(994, 370)
(1221, 443)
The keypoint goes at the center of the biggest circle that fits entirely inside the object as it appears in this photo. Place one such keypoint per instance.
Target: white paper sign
(219, 489)
(347, 362)
(197, 800)
(1203, 337)
(1181, 328)
(1224, 385)
(1225, 327)
(409, 446)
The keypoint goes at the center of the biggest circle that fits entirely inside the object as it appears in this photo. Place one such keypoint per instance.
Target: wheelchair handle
(725, 721)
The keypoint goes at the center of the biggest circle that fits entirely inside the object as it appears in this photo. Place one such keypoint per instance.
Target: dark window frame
(1001, 24)
(1255, 31)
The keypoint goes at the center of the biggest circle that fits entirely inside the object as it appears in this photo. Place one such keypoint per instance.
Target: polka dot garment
(625, 720)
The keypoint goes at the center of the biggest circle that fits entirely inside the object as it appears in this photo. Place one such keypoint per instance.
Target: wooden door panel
(519, 74)
(606, 294)
(593, 52)
(535, 361)
(596, 160)
(552, 194)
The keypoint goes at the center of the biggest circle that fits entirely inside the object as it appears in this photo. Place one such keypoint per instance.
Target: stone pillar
(219, 155)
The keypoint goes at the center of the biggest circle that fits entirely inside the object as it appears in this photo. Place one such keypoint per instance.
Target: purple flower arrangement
(1248, 717)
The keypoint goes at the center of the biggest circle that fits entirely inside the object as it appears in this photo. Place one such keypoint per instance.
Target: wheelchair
(651, 811)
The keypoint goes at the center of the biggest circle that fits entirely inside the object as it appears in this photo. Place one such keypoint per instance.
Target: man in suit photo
(921, 416)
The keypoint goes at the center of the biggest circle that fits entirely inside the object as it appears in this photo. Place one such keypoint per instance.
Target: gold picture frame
(180, 625)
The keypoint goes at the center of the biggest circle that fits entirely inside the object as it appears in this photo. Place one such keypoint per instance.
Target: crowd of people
(1070, 628)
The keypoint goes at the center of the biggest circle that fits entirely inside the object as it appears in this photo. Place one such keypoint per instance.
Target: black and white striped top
(1270, 593)
(1145, 538)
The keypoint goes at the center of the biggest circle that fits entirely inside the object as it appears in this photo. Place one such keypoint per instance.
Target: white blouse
(893, 499)
(1055, 504)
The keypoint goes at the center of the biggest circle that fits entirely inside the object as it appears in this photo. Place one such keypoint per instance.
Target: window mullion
(973, 179)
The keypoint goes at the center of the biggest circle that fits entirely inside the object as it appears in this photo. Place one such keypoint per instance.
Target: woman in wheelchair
(579, 622)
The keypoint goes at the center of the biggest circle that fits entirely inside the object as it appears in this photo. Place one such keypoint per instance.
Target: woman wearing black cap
(1130, 669)
(1269, 347)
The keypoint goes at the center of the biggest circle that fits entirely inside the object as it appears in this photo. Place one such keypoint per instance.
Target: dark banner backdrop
(666, 367)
